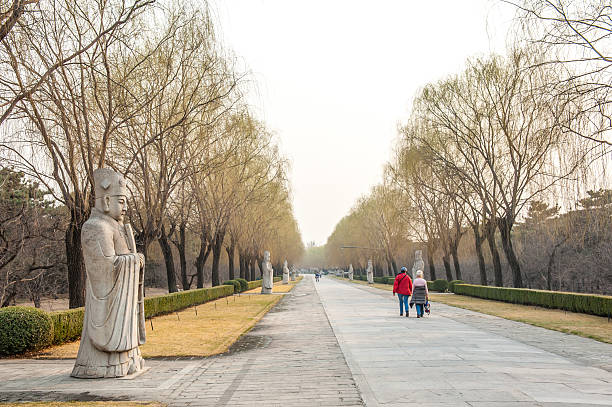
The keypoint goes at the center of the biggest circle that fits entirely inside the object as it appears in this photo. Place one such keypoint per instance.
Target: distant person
(420, 294)
(317, 276)
(403, 287)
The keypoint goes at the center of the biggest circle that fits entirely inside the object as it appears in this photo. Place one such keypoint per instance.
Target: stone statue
(418, 263)
(370, 271)
(293, 273)
(350, 272)
(285, 273)
(267, 275)
(113, 324)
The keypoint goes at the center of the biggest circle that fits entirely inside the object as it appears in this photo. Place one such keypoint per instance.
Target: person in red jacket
(403, 287)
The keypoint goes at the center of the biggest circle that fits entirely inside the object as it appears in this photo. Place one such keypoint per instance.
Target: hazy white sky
(334, 79)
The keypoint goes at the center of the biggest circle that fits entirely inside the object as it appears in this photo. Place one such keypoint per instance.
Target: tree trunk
(481, 262)
(430, 262)
(75, 262)
(166, 249)
(217, 247)
(201, 259)
(378, 272)
(505, 229)
(230, 260)
(497, 270)
(260, 264)
(183, 256)
(252, 268)
(455, 255)
(241, 264)
(447, 266)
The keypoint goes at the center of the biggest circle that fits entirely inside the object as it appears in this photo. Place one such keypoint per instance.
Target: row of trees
(499, 145)
(144, 87)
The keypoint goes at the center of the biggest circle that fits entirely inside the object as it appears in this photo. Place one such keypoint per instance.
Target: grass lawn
(588, 326)
(278, 287)
(217, 325)
(85, 404)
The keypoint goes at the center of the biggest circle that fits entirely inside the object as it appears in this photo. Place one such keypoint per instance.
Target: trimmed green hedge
(600, 305)
(67, 325)
(235, 284)
(438, 285)
(451, 284)
(165, 304)
(24, 329)
(244, 285)
(254, 284)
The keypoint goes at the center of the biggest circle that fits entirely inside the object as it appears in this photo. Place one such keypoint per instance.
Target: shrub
(67, 325)
(451, 284)
(234, 283)
(439, 285)
(24, 329)
(254, 284)
(600, 305)
(244, 285)
(165, 304)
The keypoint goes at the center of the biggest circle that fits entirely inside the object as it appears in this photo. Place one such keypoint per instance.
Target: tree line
(496, 165)
(147, 88)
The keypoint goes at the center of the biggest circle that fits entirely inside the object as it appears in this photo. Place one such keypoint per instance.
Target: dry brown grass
(85, 404)
(589, 326)
(278, 287)
(217, 325)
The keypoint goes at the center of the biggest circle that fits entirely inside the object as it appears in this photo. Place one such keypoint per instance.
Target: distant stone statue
(113, 324)
(285, 273)
(418, 263)
(293, 273)
(267, 275)
(350, 272)
(370, 271)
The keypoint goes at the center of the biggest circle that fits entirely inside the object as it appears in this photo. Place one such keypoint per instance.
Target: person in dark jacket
(420, 295)
(403, 287)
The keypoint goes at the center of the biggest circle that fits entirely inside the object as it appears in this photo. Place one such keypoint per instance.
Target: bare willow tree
(60, 78)
(500, 130)
(575, 37)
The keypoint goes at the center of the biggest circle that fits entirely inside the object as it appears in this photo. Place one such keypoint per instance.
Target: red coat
(402, 284)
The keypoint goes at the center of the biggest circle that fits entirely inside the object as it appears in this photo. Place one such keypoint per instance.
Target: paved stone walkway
(460, 358)
(291, 358)
(343, 344)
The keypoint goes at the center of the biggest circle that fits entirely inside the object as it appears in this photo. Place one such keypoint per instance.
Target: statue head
(111, 193)
(285, 264)
(418, 255)
(369, 264)
(266, 256)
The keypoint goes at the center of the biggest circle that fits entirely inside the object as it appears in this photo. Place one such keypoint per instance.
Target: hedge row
(600, 305)
(67, 325)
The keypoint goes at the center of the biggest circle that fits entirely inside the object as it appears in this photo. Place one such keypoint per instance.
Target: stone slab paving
(291, 358)
(447, 359)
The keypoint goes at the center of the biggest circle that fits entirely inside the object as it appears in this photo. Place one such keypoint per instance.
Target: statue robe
(113, 324)
(267, 276)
